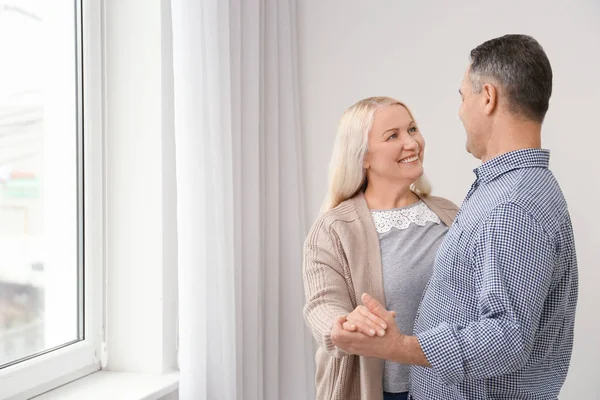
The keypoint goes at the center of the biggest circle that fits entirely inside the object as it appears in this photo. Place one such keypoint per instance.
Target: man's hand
(375, 346)
(394, 346)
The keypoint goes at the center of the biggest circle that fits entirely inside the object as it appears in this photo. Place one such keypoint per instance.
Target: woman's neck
(380, 197)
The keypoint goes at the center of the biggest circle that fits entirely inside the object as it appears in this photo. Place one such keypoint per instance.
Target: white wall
(417, 52)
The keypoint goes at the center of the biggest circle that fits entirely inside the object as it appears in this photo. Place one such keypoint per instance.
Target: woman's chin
(414, 172)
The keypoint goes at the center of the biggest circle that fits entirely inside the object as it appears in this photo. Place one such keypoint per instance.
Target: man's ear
(490, 98)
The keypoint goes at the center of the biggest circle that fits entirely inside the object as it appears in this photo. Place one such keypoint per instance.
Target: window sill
(116, 386)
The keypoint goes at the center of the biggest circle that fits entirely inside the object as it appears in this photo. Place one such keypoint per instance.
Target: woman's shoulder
(344, 212)
(441, 202)
(444, 208)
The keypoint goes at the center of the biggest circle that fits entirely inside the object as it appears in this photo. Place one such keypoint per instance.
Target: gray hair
(519, 65)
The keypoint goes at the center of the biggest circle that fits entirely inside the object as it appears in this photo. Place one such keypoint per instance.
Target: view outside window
(41, 222)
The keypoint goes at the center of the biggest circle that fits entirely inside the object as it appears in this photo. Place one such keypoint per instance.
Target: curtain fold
(239, 199)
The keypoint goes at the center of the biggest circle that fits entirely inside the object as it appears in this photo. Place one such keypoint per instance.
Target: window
(50, 194)
(40, 208)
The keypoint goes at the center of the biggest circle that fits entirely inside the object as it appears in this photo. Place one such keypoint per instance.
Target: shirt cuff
(442, 350)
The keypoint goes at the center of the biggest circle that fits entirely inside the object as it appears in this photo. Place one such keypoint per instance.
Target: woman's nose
(410, 143)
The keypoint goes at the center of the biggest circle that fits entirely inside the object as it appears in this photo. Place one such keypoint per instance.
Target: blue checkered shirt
(496, 320)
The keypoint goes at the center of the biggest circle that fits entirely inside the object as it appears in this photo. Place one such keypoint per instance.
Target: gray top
(409, 238)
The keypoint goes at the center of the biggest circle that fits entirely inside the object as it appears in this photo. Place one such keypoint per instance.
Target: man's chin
(473, 153)
(468, 149)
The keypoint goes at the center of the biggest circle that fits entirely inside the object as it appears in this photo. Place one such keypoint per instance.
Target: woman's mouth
(409, 160)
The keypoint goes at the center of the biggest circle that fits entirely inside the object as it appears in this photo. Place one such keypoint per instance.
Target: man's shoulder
(535, 191)
(538, 193)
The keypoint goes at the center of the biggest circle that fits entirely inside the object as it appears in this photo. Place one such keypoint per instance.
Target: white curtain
(239, 198)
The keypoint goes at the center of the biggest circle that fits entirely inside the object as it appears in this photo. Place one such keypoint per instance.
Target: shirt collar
(525, 158)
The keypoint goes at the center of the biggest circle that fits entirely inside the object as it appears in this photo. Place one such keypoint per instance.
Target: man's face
(473, 117)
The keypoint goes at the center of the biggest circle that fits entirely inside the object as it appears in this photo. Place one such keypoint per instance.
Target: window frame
(56, 367)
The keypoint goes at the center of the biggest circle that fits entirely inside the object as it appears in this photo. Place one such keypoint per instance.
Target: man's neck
(511, 135)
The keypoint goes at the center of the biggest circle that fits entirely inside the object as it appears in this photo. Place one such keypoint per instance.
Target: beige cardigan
(342, 260)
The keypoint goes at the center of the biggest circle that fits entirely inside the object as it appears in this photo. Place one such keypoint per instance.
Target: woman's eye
(412, 129)
(393, 136)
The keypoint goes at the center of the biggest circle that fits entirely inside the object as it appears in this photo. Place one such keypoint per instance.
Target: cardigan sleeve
(326, 289)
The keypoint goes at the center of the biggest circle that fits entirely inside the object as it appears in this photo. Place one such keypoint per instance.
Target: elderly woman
(378, 232)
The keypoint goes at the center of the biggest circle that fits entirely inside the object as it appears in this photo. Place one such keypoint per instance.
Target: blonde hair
(347, 176)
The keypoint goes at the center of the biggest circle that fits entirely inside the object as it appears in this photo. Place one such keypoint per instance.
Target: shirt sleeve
(514, 264)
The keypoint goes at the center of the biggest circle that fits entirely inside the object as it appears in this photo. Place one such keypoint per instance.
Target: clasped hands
(369, 330)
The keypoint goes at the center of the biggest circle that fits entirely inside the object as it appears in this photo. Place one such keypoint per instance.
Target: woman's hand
(364, 321)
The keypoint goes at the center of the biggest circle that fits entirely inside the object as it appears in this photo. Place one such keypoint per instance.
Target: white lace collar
(401, 218)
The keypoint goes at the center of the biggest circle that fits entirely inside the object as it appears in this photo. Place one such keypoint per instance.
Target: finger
(337, 324)
(375, 307)
(365, 325)
(348, 326)
(336, 328)
(368, 314)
